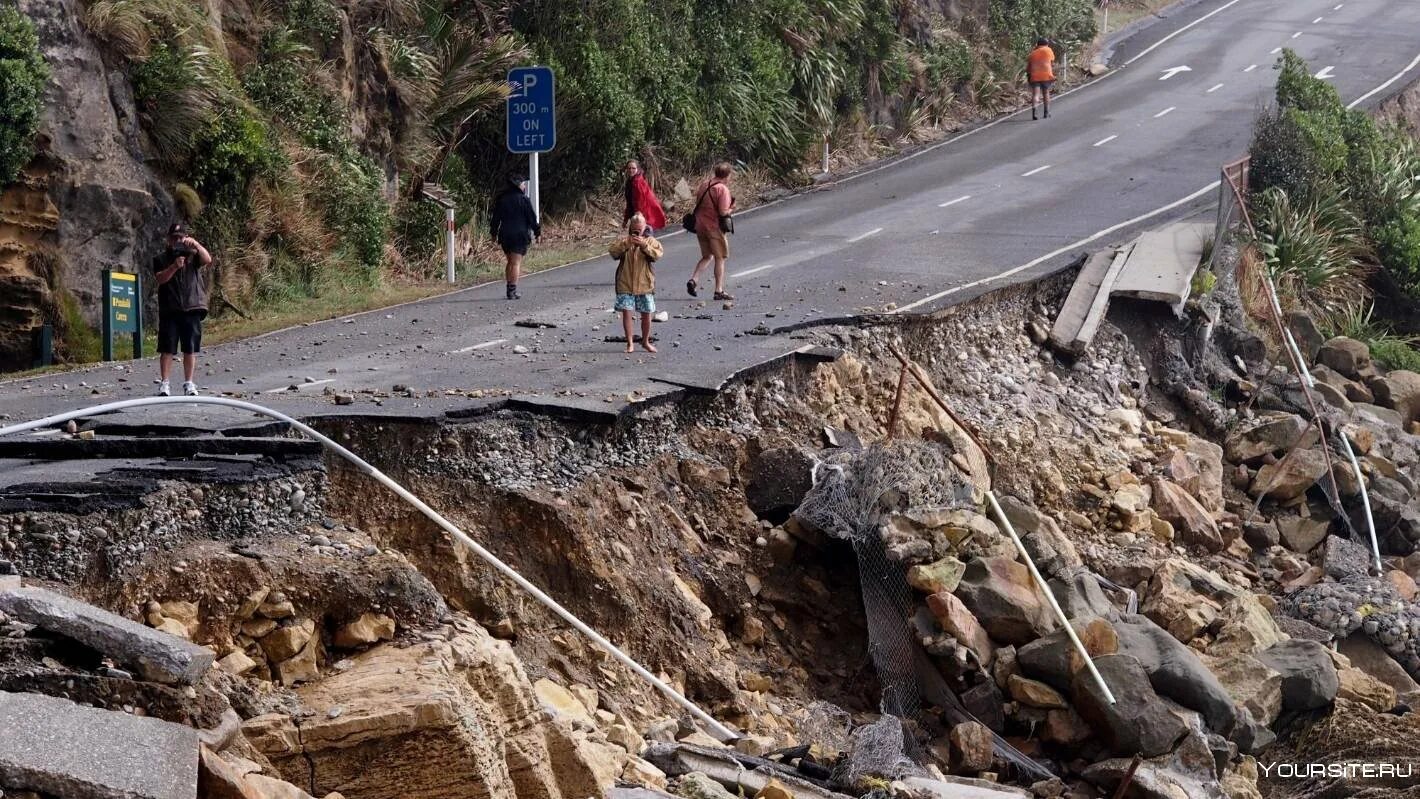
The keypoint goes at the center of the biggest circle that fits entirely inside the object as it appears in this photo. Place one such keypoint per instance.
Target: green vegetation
(1390, 350)
(1334, 197)
(23, 74)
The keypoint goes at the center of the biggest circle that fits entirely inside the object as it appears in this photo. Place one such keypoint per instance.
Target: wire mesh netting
(852, 494)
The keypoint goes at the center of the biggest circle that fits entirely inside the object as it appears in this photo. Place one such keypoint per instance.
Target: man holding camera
(182, 305)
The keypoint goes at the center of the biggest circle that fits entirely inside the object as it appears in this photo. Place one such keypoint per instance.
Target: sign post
(123, 311)
(532, 121)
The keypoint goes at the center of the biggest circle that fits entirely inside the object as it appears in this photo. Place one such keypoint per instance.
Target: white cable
(721, 731)
(1310, 382)
(1050, 597)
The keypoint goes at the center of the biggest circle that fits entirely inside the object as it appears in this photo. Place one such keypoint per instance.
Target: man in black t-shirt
(182, 305)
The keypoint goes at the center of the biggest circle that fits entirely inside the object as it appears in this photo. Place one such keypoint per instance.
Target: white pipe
(1050, 597)
(721, 731)
(1310, 382)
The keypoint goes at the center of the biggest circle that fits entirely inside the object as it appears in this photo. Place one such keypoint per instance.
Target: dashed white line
(1318, 19)
(299, 386)
(1297, 35)
(1198, 21)
(1274, 51)
(485, 345)
(960, 199)
(1210, 188)
(862, 236)
(1105, 140)
(1035, 171)
(1215, 88)
(752, 271)
(1165, 111)
(1337, 7)
(1254, 66)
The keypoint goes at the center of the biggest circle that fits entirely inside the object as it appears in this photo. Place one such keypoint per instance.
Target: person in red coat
(641, 200)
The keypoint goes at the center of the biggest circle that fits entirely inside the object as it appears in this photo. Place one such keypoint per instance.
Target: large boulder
(1346, 355)
(1054, 660)
(1399, 391)
(1053, 551)
(1309, 679)
(455, 718)
(1176, 672)
(959, 623)
(1290, 477)
(1371, 658)
(1185, 599)
(1268, 434)
(777, 480)
(1137, 722)
(1250, 683)
(1002, 595)
(1245, 627)
(1190, 521)
(1301, 534)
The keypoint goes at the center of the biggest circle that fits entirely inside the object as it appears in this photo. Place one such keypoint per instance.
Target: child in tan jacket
(637, 253)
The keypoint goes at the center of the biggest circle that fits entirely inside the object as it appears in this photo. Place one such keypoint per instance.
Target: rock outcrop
(437, 719)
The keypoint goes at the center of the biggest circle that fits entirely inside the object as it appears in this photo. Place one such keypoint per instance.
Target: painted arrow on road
(1171, 71)
(1325, 73)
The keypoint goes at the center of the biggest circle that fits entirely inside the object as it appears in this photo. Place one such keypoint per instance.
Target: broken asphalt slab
(60, 748)
(157, 656)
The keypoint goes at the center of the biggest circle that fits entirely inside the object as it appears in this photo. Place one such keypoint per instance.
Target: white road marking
(1105, 140)
(485, 345)
(1171, 71)
(1067, 248)
(1254, 66)
(862, 236)
(1325, 73)
(1275, 51)
(1318, 19)
(299, 386)
(1165, 111)
(1297, 35)
(1035, 171)
(752, 271)
(1373, 92)
(962, 198)
(1215, 88)
(1160, 42)
(1338, 6)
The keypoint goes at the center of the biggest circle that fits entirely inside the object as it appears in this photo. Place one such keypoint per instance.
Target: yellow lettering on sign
(120, 302)
(120, 317)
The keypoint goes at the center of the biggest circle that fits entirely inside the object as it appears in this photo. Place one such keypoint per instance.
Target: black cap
(177, 229)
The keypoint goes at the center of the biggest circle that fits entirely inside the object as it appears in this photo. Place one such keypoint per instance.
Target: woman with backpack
(515, 225)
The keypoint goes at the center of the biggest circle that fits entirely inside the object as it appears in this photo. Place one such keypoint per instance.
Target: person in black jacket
(514, 224)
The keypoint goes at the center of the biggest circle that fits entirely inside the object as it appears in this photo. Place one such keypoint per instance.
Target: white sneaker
(164, 389)
(189, 389)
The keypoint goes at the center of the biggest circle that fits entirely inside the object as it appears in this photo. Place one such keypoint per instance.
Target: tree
(23, 74)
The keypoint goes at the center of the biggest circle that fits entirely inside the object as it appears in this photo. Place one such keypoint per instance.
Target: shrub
(230, 151)
(1397, 245)
(352, 193)
(283, 88)
(174, 90)
(23, 75)
(1312, 251)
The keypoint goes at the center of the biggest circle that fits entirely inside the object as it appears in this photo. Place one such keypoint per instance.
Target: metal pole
(449, 244)
(716, 728)
(534, 186)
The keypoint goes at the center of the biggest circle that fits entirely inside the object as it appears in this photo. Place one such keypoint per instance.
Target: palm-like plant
(1313, 251)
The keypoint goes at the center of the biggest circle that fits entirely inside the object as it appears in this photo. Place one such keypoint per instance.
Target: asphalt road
(1006, 201)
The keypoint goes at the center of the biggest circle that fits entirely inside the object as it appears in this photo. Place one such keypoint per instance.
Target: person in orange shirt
(1040, 73)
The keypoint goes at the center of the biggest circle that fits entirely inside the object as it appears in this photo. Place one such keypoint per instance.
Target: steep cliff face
(89, 201)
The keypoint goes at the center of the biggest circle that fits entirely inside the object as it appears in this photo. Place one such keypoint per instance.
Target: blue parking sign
(532, 115)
